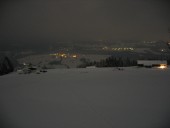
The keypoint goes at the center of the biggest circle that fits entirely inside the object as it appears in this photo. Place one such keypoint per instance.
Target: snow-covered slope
(86, 98)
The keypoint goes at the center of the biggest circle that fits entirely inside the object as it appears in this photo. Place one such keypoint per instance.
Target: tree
(5, 66)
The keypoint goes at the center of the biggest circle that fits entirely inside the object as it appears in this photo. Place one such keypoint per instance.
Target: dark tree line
(116, 62)
(109, 62)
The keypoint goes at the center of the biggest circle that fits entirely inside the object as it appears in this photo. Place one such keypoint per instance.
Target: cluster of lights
(63, 55)
(122, 49)
(118, 49)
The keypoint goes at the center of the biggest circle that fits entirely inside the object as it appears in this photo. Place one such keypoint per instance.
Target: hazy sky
(52, 20)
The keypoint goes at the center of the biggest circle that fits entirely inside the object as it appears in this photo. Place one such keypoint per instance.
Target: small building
(152, 63)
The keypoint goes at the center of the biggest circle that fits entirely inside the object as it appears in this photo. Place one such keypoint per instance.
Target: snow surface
(86, 98)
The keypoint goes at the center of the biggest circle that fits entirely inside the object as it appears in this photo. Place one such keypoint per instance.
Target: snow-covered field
(86, 98)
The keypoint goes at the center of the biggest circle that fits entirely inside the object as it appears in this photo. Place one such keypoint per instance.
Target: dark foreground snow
(86, 98)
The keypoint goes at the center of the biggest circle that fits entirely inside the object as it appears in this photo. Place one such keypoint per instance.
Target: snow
(86, 98)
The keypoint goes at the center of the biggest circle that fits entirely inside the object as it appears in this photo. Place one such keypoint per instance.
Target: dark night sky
(49, 20)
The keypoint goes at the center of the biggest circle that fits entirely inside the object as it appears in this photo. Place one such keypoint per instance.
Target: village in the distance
(86, 54)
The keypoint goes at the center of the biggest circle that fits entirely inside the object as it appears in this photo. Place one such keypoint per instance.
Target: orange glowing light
(162, 66)
(74, 56)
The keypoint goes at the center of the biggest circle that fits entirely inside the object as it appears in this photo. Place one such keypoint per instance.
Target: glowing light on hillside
(163, 66)
(74, 56)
